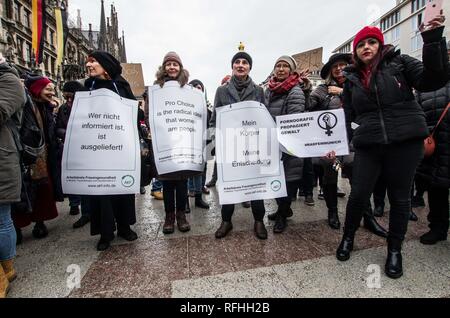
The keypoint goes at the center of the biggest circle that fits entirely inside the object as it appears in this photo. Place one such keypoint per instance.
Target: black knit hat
(242, 55)
(108, 62)
(197, 82)
(333, 59)
(72, 87)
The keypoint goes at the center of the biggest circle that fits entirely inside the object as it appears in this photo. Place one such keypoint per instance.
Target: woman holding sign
(328, 96)
(240, 88)
(390, 127)
(285, 97)
(107, 210)
(175, 186)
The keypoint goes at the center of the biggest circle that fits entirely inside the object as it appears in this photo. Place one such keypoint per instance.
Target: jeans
(258, 211)
(175, 190)
(397, 164)
(8, 236)
(195, 184)
(156, 185)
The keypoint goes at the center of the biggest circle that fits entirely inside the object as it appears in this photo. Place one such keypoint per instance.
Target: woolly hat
(172, 56)
(242, 55)
(72, 87)
(196, 82)
(368, 32)
(108, 62)
(288, 59)
(326, 69)
(36, 84)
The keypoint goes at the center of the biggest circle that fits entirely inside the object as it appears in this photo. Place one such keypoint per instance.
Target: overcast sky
(206, 33)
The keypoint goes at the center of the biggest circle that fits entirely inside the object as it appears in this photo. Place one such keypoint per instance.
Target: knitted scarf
(285, 86)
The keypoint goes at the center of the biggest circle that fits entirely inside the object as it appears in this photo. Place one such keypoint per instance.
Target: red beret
(368, 32)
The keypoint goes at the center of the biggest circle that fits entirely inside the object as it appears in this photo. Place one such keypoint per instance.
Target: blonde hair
(161, 76)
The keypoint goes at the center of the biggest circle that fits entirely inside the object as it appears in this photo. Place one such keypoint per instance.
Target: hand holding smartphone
(433, 16)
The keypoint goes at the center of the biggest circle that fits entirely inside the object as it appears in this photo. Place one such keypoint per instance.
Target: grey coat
(321, 100)
(12, 99)
(292, 102)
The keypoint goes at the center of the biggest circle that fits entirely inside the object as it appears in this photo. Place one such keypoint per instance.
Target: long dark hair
(162, 76)
(377, 60)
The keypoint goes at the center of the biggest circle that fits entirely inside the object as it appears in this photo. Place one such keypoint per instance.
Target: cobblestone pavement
(298, 263)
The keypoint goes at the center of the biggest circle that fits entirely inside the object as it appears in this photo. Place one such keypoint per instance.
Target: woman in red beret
(389, 127)
(43, 172)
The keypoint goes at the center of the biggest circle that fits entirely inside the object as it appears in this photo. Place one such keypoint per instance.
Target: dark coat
(387, 112)
(436, 169)
(123, 205)
(292, 102)
(321, 100)
(12, 99)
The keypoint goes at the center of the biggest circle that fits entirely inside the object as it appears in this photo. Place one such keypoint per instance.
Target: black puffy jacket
(387, 112)
(436, 169)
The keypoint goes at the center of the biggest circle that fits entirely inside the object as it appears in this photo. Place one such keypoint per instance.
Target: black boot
(333, 219)
(199, 203)
(273, 216)
(346, 246)
(40, 230)
(19, 236)
(394, 267)
(281, 220)
(331, 199)
(371, 224)
(413, 217)
(378, 211)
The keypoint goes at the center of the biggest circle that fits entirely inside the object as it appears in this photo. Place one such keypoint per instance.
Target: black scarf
(245, 89)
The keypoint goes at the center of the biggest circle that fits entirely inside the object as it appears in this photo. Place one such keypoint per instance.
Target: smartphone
(432, 10)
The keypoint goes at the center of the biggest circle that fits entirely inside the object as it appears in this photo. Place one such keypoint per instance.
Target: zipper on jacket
(380, 112)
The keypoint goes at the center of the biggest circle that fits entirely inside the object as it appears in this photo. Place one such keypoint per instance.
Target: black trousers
(379, 193)
(292, 193)
(258, 211)
(397, 164)
(175, 190)
(308, 176)
(439, 209)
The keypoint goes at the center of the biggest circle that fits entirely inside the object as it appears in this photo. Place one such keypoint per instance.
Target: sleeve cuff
(434, 35)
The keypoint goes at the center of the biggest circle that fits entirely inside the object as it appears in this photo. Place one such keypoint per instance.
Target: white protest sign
(310, 135)
(178, 123)
(102, 152)
(248, 154)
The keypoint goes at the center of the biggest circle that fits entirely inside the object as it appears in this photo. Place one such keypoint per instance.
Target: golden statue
(241, 47)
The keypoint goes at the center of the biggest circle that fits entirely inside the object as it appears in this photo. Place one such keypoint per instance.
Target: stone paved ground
(298, 263)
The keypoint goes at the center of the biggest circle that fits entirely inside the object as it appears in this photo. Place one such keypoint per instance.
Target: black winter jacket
(436, 169)
(292, 102)
(387, 113)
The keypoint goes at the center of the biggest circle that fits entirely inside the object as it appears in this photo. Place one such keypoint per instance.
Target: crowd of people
(393, 100)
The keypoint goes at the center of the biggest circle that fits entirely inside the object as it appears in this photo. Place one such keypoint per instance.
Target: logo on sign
(127, 181)
(276, 186)
(327, 121)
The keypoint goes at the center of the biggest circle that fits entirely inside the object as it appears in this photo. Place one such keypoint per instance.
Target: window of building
(17, 11)
(416, 42)
(9, 9)
(28, 52)
(52, 37)
(27, 18)
(416, 5)
(20, 47)
(52, 65)
(396, 34)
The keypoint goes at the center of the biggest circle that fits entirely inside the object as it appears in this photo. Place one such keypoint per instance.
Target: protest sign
(178, 124)
(101, 152)
(248, 154)
(310, 135)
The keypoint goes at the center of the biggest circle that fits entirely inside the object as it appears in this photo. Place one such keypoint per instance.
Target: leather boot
(281, 220)
(273, 216)
(169, 224)
(40, 230)
(224, 229)
(333, 219)
(378, 211)
(199, 203)
(346, 246)
(331, 199)
(413, 217)
(394, 266)
(182, 223)
(371, 224)
(260, 230)
(4, 283)
(8, 268)
(19, 235)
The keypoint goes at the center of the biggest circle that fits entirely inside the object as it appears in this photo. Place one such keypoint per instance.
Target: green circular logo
(276, 186)
(127, 181)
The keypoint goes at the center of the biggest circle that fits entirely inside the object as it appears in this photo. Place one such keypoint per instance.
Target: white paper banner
(102, 152)
(178, 124)
(248, 154)
(310, 135)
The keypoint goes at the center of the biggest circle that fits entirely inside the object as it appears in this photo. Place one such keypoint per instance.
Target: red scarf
(286, 86)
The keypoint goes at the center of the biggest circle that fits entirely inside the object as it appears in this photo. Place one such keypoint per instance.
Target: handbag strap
(441, 119)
